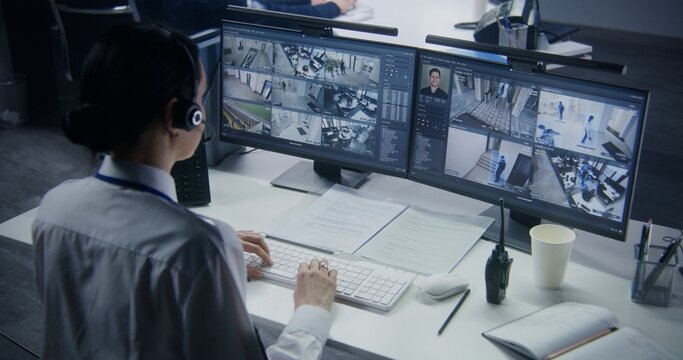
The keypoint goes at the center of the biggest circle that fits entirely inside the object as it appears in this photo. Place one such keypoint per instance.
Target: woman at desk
(319, 8)
(122, 269)
(192, 16)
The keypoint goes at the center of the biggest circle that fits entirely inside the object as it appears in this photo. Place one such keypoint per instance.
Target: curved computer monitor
(553, 147)
(338, 101)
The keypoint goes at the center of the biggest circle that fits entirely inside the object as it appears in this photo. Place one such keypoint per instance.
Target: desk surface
(409, 330)
(434, 16)
(243, 197)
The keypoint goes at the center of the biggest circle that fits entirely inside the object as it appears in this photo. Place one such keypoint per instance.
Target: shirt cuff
(313, 319)
(328, 10)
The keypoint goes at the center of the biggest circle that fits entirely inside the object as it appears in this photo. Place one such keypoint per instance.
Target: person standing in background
(191, 16)
(587, 129)
(500, 168)
(319, 8)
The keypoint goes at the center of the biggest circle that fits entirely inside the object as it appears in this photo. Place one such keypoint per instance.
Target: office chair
(81, 22)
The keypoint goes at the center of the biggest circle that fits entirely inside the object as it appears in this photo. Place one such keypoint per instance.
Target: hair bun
(84, 125)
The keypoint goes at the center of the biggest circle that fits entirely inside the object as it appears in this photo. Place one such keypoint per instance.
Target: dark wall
(655, 17)
(28, 24)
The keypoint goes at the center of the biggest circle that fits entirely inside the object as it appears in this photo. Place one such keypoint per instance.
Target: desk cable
(466, 25)
(245, 152)
(212, 131)
(670, 239)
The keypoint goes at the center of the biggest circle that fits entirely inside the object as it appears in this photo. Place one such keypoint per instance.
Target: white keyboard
(360, 282)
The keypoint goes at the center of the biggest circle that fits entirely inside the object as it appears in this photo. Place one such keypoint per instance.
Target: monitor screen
(336, 100)
(553, 147)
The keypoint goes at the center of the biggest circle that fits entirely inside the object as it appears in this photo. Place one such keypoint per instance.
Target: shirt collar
(139, 173)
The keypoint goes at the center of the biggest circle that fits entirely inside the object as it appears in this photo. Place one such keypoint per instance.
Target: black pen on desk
(455, 310)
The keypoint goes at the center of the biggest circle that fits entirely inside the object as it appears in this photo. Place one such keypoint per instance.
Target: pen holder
(514, 36)
(653, 281)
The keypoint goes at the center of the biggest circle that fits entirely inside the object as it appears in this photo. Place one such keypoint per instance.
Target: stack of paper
(344, 220)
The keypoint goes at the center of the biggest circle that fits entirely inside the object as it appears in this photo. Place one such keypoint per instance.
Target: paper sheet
(426, 242)
(360, 13)
(341, 220)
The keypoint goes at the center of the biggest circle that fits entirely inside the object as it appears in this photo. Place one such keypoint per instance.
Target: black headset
(187, 114)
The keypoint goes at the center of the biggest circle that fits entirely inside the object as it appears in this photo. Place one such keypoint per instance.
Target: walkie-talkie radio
(497, 271)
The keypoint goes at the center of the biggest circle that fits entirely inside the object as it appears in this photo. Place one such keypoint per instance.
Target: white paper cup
(550, 248)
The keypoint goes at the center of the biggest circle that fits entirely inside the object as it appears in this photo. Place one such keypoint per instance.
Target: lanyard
(133, 185)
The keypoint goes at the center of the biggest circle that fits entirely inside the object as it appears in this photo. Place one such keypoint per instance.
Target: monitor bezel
(477, 191)
(304, 152)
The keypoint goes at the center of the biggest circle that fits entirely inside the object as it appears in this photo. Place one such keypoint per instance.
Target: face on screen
(435, 78)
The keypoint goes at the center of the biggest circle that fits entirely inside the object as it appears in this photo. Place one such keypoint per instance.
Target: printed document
(341, 220)
(426, 242)
(345, 220)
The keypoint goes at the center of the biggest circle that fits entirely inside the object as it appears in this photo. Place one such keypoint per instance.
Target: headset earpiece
(187, 115)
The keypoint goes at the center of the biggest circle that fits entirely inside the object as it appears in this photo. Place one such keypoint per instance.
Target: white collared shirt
(124, 273)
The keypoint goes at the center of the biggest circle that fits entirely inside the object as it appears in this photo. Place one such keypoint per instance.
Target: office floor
(35, 157)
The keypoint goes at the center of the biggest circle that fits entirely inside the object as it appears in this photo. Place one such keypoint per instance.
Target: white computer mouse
(439, 286)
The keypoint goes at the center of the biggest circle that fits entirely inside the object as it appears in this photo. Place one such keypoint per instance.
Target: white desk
(409, 330)
(242, 196)
(417, 19)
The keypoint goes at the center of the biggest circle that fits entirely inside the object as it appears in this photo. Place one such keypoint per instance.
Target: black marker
(497, 271)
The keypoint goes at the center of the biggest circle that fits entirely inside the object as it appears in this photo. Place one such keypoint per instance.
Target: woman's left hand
(254, 243)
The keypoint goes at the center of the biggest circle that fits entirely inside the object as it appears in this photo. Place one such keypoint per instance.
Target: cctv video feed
(319, 93)
(544, 143)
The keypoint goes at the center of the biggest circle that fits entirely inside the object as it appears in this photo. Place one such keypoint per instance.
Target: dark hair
(129, 76)
(434, 70)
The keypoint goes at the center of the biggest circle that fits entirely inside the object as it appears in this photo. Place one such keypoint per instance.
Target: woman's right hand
(315, 285)
(345, 5)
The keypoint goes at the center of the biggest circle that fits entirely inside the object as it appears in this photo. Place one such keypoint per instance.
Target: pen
(645, 237)
(455, 310)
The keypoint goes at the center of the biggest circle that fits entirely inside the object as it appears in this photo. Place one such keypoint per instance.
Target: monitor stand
(516, 231)
(318, 176)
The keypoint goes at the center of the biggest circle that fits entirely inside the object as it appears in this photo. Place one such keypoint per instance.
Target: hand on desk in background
(255, 243)
(344, 5)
